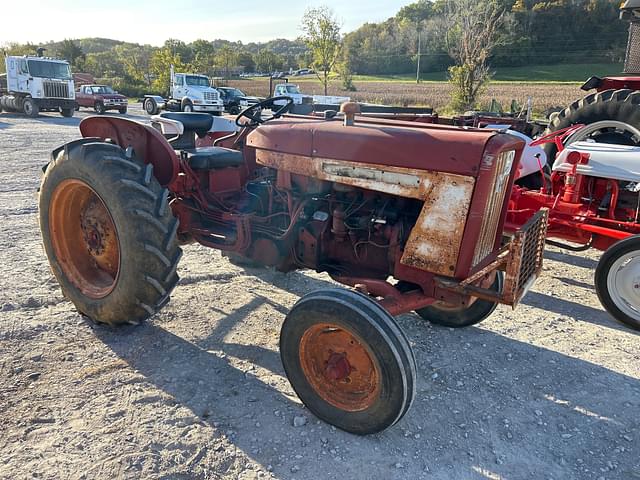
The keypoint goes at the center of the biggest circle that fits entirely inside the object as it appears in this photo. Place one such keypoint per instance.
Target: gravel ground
(549, 391)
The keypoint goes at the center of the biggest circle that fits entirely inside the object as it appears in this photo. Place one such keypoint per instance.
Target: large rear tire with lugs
(620, 105)
(108, 232)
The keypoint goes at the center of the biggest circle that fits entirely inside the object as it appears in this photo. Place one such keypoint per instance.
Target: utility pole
(419, 54)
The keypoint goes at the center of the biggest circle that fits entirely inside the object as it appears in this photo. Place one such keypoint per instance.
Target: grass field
(432, 94)
(565, 73)
(548, 85)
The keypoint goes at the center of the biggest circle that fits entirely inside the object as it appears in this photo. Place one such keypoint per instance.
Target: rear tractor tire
(348, 360)
(619, 105)
(108, 232)
(617, 281)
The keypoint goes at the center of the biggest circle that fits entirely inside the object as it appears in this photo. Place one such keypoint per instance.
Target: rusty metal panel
(378, 142)
(521, 259)
(434, 242)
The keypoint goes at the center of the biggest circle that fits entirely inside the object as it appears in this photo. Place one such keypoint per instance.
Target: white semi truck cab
(37, 84)
(188, 92)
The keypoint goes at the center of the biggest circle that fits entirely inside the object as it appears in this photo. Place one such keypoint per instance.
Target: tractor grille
(56, 89)
(632, 59)
(210, 97)
(524, 262)
(493, 207)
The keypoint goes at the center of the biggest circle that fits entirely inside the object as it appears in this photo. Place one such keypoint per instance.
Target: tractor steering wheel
(254, 112)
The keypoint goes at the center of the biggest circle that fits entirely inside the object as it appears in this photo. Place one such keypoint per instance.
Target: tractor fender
(148, 144)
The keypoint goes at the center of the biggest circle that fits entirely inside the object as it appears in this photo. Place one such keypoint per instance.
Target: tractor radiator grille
(493, 207)
(56, 89)
(632, 59)
(210, 97)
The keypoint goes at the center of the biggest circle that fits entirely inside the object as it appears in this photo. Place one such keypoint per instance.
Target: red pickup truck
(101, 98)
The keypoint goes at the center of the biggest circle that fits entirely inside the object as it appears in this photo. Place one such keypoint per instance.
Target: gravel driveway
(549, 391)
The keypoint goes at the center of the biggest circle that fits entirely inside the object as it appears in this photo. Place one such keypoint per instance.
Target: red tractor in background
(593, 199)
(364, 200)
(615, 98)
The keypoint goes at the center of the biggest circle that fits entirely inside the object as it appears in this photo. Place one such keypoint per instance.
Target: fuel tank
(617, 162)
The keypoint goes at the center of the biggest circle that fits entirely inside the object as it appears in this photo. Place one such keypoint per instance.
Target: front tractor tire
(348, 360)
(617, 281)
(108, 232)
(67, 112)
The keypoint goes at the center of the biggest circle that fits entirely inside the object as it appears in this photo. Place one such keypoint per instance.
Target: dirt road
(550, 391)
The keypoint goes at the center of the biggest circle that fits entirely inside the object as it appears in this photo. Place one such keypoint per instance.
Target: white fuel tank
(617, 162)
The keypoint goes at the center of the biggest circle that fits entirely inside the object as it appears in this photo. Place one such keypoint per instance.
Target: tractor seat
(211, 158)
(200, 123)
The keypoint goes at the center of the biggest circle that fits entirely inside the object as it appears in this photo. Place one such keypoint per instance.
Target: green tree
(267, 61)
(161, 68)
(136, 62)
(416, 15)
(70, 52)
(322, 35)
(473, 31)
(344, 69)
(179, 48)
(226, 59)
(204, 58)
(16, 49)
(245, 60)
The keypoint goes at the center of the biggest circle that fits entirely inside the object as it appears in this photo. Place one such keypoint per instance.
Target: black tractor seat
(211, 158)
(200, 123)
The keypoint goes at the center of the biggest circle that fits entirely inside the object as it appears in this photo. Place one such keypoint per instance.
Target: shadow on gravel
(576, 283)
(52, 120)
(583, 313)
(571, 259)
(487, 406)
(497, 408)
(4, 125)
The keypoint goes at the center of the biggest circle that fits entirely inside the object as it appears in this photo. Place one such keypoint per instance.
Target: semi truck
(35, 84)
(188, 92)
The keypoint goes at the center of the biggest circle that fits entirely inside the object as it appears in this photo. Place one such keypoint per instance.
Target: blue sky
(153, 21)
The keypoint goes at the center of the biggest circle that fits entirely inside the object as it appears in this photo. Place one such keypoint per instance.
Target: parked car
(235, 100)
(101, 98)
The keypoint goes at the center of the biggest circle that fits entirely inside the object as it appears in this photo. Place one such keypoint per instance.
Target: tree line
(424, 36)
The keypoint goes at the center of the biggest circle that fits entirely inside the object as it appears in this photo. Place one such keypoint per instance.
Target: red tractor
(615, 98)
(365, 200)
(593, 199)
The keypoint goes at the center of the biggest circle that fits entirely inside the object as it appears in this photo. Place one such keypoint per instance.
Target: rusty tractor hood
(384, 142)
